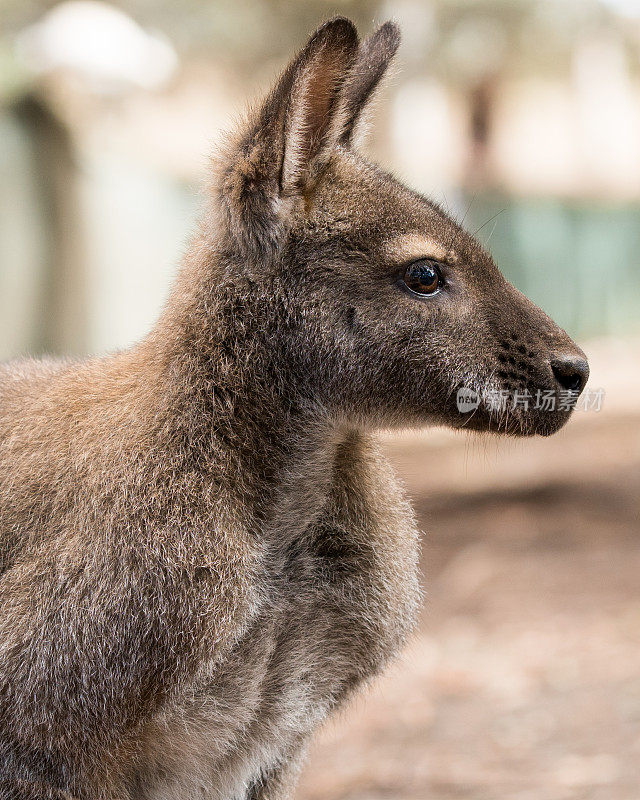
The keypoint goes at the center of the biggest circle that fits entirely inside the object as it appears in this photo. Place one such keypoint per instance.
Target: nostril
(571, 372)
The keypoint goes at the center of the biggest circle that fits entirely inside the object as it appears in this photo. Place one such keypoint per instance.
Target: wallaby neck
(235, 408)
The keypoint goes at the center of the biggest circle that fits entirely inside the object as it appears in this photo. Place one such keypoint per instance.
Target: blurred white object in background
(101, 44)
(627, 8)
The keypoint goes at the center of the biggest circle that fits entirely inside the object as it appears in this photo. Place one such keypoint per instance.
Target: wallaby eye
(422, 277)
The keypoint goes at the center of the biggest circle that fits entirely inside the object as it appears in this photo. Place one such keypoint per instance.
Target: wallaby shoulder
(99, 505)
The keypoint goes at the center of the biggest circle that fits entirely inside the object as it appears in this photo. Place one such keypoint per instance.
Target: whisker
(476, 232)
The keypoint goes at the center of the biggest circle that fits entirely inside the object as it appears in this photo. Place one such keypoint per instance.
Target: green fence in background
(580, 262)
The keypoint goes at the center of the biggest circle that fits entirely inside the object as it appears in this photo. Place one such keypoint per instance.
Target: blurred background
(522, 118)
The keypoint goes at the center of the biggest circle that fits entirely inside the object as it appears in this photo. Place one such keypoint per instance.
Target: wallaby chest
(337, 601)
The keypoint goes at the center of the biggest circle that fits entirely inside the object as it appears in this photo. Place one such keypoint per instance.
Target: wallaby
(203, 550)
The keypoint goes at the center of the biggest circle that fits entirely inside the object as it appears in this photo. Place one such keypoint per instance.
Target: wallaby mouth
(526, 395)
(521, 413)
(535, 373)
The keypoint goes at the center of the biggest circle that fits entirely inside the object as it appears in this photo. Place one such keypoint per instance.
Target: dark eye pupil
(422, 277)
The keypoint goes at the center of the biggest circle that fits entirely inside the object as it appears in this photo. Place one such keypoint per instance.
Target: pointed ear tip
(340, 30)
(391, 34)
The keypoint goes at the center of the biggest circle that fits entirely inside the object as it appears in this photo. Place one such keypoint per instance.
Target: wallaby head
(373, 301)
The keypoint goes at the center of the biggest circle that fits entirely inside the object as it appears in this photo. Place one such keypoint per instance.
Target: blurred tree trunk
(61, 322)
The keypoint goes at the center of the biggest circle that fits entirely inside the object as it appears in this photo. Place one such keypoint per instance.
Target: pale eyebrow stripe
(412, 246)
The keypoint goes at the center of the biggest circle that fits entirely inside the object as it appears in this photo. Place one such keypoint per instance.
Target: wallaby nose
(571, 371)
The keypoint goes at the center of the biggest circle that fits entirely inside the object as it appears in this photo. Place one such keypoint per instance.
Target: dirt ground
(523, 680)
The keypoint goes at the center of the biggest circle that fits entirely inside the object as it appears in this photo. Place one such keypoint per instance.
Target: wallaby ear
(314, 115)
(374, 56)
(282, 148)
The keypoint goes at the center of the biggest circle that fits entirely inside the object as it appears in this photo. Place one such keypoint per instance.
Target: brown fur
(203, 550)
